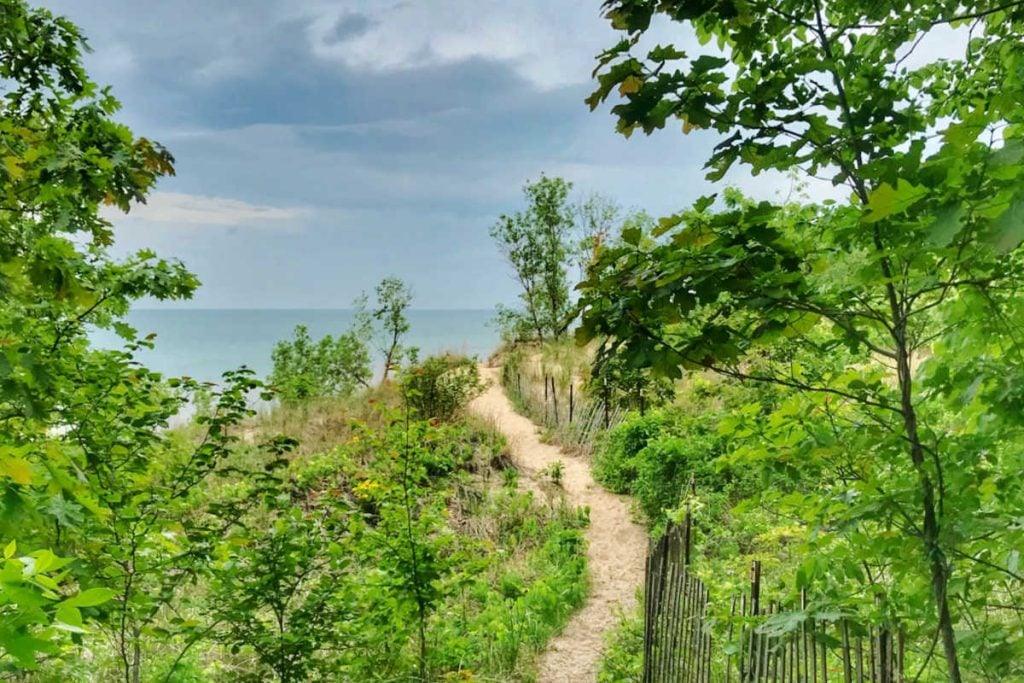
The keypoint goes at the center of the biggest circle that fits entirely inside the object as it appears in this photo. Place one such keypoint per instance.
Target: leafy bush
(331, 367)
(280, 593)
(665, 466)
(615, 463)
(654, 457)
(441, 386)
(31, 612)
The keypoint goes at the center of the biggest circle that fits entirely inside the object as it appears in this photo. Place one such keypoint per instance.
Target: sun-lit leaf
(887, 200)
(18, 470)
(90, 597)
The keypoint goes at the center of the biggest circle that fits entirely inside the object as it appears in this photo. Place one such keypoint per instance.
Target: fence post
(806, 662)
(687, 538)
(728, 657)
(554, 399)
(847, 663)
(900, 652)
(884, 650)
(572, 400)
(607, 422)
(886, 658)
(519, 384)
(753, 667)
(545, 400)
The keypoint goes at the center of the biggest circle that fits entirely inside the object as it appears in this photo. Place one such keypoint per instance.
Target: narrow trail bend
(616, 546)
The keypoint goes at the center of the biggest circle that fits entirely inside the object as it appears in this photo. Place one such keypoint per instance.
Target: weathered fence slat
(679, 646)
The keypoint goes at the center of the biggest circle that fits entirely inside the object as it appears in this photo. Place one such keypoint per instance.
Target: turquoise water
(203, 343)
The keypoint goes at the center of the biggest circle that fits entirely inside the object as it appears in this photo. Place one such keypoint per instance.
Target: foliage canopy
(891, 316)
(536, 243)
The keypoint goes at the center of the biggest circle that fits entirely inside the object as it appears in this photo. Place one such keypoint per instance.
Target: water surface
(203, 343)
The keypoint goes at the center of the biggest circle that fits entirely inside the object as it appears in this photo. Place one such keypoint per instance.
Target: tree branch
(737, 374)
(980, 14)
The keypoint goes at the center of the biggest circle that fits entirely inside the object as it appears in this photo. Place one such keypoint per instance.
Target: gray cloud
(401, 130)
(347, 27)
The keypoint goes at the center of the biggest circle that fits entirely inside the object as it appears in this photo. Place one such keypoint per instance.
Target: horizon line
(281, 308)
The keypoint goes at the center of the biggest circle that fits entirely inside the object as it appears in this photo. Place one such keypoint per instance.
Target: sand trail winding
(616, 545)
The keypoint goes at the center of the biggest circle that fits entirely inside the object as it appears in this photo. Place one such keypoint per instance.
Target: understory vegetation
(398, 550)
(359, 530)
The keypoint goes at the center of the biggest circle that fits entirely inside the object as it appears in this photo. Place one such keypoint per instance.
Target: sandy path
(616, 546)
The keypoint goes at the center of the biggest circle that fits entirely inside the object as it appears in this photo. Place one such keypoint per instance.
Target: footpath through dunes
(616, 546)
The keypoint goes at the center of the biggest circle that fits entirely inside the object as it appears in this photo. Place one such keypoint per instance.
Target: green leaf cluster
(328, 368)
(441, 386)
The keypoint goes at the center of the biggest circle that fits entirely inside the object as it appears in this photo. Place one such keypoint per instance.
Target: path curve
(615, 550)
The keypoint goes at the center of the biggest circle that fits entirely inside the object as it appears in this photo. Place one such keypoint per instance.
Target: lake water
(204, 343)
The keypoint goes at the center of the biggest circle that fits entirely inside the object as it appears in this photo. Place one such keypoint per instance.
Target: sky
(324, 144)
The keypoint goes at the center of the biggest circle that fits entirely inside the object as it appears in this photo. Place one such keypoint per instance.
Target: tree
(284, 592)
(536, 243)
(916, 276)
(596, 217)
(393, 299)
(62, 158)
(330, 367)
(98, 497)
(152, 514)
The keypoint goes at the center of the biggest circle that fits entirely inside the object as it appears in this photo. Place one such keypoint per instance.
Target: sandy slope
(616, 546)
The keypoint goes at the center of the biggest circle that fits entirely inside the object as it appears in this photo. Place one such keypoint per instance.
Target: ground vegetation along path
(616, 545)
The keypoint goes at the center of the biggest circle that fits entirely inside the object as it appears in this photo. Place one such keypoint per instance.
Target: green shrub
(441, 386)
(614, 463)
(664, 469)
(654, 457)
(555, 472)
(281, 592)
(510, 478)
(331, 367)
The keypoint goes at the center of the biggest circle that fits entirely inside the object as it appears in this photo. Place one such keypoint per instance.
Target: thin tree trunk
(940, 574)
(136, 655)
(390, 356)
(930, 531)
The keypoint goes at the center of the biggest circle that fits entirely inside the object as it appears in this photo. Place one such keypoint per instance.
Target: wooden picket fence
(574, 417)
(679, 646)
